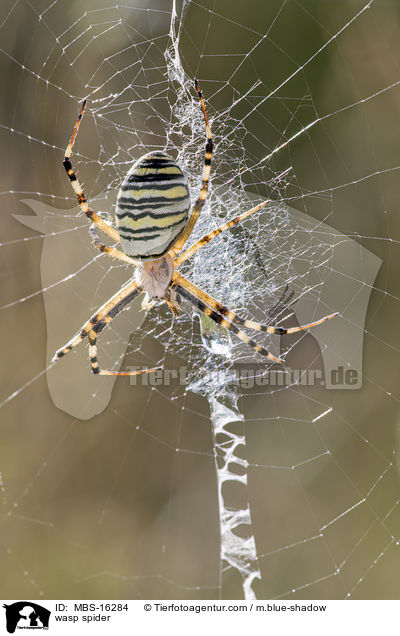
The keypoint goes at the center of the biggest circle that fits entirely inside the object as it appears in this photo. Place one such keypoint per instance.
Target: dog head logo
(26, 615)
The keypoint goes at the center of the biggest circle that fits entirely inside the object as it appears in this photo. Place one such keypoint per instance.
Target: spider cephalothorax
(153, 224)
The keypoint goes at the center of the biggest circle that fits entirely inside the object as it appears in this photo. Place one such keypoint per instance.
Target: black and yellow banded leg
(103, 316)
(208, 237)
(234, 318)
(95, 218)
(94, 364)
(174, 309)
(198, 206)
(110, 251)
(223, 322)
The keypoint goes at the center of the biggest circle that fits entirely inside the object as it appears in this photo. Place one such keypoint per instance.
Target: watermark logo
(248, 377)
(339, 278)
(26, 615)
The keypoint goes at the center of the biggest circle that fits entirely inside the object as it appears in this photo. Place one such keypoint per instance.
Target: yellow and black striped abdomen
(152, 206)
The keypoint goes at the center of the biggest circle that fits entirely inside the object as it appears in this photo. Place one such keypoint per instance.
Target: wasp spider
(153, 224)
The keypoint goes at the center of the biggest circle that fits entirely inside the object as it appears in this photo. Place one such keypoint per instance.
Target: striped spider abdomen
(152, 207)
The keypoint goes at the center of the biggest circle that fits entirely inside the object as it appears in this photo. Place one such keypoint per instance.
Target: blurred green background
(106, 508)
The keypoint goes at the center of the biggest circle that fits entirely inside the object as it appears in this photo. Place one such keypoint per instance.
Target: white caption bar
(197, 617)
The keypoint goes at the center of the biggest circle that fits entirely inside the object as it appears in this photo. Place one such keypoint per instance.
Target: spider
(152, 226)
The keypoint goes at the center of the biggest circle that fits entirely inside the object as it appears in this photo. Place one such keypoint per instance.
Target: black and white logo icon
(26, 615)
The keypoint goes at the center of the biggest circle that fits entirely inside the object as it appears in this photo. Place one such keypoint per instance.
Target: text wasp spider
(153, 224)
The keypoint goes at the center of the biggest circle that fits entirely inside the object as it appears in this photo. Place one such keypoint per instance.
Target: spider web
(222, 476)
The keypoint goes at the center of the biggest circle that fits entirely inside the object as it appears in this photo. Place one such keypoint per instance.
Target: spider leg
(220, 320)
(92, 337)
(208, 237)
(98, 322)
(234, 318)
(95, 218)
(102, 318)
(172, 307)
(110, 251)
(175, 300)
(198, 206)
